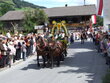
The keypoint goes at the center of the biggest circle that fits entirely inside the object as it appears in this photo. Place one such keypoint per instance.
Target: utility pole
(84, 2)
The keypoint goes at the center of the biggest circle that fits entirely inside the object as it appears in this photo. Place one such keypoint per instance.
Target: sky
(60, 3)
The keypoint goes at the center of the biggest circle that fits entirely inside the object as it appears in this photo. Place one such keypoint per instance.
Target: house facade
(75, 16)
(13, 19)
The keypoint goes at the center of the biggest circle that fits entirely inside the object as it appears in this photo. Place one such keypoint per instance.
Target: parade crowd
(100, 39)
(18, 46)
(102, 42)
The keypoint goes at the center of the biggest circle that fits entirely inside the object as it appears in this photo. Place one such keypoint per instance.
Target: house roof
(12, 15)
(54, 12)
(71, 11)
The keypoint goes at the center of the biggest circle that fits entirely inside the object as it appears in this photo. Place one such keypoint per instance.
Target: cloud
(63, 1)
(31, 0)
(58, 3)
(49, 0)
(91, 1)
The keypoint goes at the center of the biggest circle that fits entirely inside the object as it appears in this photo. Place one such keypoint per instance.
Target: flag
(100, 7)
(93, 18)
(90, 25)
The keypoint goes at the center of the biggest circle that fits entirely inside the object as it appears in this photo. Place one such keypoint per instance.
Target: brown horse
(55, 52)
(64, 48)
(41, 45)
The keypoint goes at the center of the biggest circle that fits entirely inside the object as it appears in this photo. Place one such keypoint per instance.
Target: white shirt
(20, 35)
(13, 50)
(8, 35)
(5, 47)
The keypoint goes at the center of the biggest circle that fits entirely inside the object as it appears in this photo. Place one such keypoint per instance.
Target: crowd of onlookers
(16, 47)
(100, 39)
(80, 35)
(102, 42)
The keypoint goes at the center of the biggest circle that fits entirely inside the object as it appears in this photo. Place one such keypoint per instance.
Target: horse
(41, 46)
(55, 52)
(64, 47)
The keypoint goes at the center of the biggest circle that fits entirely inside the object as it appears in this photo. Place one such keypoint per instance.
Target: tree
(99, 21)
(4, 8)
(34, 17)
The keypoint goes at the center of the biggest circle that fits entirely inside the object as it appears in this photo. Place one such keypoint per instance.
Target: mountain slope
(20, 4)
(6, 1)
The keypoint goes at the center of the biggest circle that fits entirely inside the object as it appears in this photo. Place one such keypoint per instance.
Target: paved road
(83, 65)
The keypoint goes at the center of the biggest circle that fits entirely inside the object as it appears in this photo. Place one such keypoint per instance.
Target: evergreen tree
(99, 21)
(4, 8)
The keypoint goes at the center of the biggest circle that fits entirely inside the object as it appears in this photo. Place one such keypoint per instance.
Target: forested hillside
(8, 5)
(20, 4)
(6, 1)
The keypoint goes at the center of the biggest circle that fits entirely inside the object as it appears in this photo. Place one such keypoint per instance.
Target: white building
(106, 12)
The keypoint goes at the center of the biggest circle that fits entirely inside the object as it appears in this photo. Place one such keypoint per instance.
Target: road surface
(82, 65)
